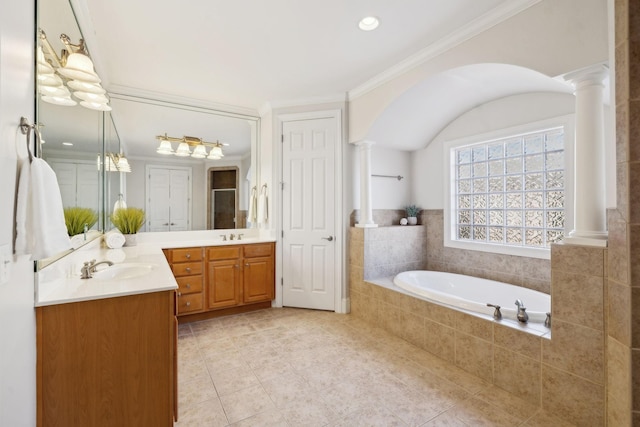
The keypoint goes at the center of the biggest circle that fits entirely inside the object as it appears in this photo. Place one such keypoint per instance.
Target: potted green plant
(128, 221)
(78, 220)
(412, 214)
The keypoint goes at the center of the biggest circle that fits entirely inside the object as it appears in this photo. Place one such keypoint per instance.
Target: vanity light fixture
(74, 70)
(115, 162)
(184, 147)
(369, 23)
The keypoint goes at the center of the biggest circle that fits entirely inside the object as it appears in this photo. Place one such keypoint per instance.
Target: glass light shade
(59, 100)
(217, 151)
(91, 97)
(200, 152)
(183, 150)
(86, 87)
(49, 80)
(95, 106)
(123, 164)
(79, 67)
(44, 69)
(59, 91)
(165, 147)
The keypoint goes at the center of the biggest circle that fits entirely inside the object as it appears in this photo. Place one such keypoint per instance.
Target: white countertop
(60, 282)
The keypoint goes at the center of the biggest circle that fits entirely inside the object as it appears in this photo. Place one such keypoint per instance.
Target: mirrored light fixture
(74, 70)
(114, 162)
(184, 147)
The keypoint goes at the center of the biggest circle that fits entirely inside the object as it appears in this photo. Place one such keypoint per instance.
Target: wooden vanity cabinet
(240, 275)
(108, 362)
(188, 268)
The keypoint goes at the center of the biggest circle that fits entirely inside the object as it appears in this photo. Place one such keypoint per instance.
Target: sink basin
(123, 271)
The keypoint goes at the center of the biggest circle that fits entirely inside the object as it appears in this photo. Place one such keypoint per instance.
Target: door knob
(330, 238)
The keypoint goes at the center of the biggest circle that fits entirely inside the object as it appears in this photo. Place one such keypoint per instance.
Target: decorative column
(590, 191)
(366, 210)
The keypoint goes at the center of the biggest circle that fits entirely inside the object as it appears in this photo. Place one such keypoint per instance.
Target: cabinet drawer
(187, 269)
(186, 254)
(189, 284)
(223, 252)
(263, 249)
(190, 303)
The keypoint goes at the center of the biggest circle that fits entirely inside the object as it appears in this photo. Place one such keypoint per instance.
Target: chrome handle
(330, 238)
(188, 303)
(173, 223)
(166, 223)
(188, 286)
(179, 294)
(188, 256)
(496, 313)
(188, 269)
(246, 265)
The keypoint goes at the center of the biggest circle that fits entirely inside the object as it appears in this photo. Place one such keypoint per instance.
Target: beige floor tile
(477, 413)
(446, 419)
(308, 412)
(270, 418)
(508, 402)
(231, 380)
(205, 414)
(542, 419)
(216, 348)
(345, 398)
(370, 417)
(226, 361)
(246, 403)
(191, 369)
(287, 388)
(197, 391)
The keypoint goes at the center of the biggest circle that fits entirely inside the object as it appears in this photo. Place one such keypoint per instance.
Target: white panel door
(308, 170)
(179, 183)
(158, 199)
(169, 199)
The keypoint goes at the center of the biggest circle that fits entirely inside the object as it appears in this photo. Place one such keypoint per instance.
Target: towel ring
(25, 128)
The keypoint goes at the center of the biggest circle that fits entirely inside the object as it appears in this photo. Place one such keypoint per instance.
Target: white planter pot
(130, 239)
(412, 220)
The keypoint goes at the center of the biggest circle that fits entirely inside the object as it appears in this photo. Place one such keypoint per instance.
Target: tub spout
(522, 312)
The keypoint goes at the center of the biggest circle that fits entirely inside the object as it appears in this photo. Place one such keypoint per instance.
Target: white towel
(40, 227)
(114, 239)
(263, 208)
(252, 215)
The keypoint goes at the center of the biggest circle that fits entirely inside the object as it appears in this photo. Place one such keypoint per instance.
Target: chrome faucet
(232, 236)
(89, 268)
(240, 236)
(496, 313)
(224, 237)
(522, 312)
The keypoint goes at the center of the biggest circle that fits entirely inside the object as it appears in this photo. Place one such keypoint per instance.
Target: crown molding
(490, 19)
(126, 92)
(314, 100)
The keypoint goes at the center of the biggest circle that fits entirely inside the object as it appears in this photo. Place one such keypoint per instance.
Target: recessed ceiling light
(368, 23)
(68, 144)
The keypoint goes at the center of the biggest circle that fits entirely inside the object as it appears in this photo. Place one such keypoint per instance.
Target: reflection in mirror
(176, 191)
(72, 134)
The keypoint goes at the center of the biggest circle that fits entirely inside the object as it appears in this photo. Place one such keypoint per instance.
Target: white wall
(17, 315)
(428, 164)
(552, 37)
(389, 193)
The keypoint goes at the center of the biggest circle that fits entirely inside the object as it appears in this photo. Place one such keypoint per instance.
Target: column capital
(592, 75)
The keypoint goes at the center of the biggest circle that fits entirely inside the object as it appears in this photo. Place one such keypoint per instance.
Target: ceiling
(243, 55)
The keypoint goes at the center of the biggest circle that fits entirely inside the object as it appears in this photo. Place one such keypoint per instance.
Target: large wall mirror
(177, 192)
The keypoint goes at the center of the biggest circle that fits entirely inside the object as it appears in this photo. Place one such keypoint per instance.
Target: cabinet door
(223, 285)
(259, 279)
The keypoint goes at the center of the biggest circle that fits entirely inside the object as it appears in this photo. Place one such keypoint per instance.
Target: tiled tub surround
(532, 273)
(564, 374)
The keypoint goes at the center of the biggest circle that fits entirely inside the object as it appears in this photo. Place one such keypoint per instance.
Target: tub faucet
(89, 268)
(522, 312)
(496, 313)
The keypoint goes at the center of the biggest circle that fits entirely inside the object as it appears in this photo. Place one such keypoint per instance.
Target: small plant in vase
(128, 221)
(412, 214)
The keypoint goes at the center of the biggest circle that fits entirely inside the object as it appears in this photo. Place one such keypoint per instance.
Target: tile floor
(290, 367)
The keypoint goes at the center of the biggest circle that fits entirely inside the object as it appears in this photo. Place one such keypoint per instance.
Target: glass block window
(510, 191)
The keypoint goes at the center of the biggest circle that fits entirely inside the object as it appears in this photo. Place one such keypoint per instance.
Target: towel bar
(398, 177)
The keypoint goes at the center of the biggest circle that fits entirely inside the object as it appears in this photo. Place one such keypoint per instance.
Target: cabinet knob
(236, 266)
(188, 303)
(246, 265)
(188, 286)
(188, 256)
(179, 294)
(188, 269)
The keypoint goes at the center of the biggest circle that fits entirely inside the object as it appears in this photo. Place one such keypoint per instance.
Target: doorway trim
(340, 300)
